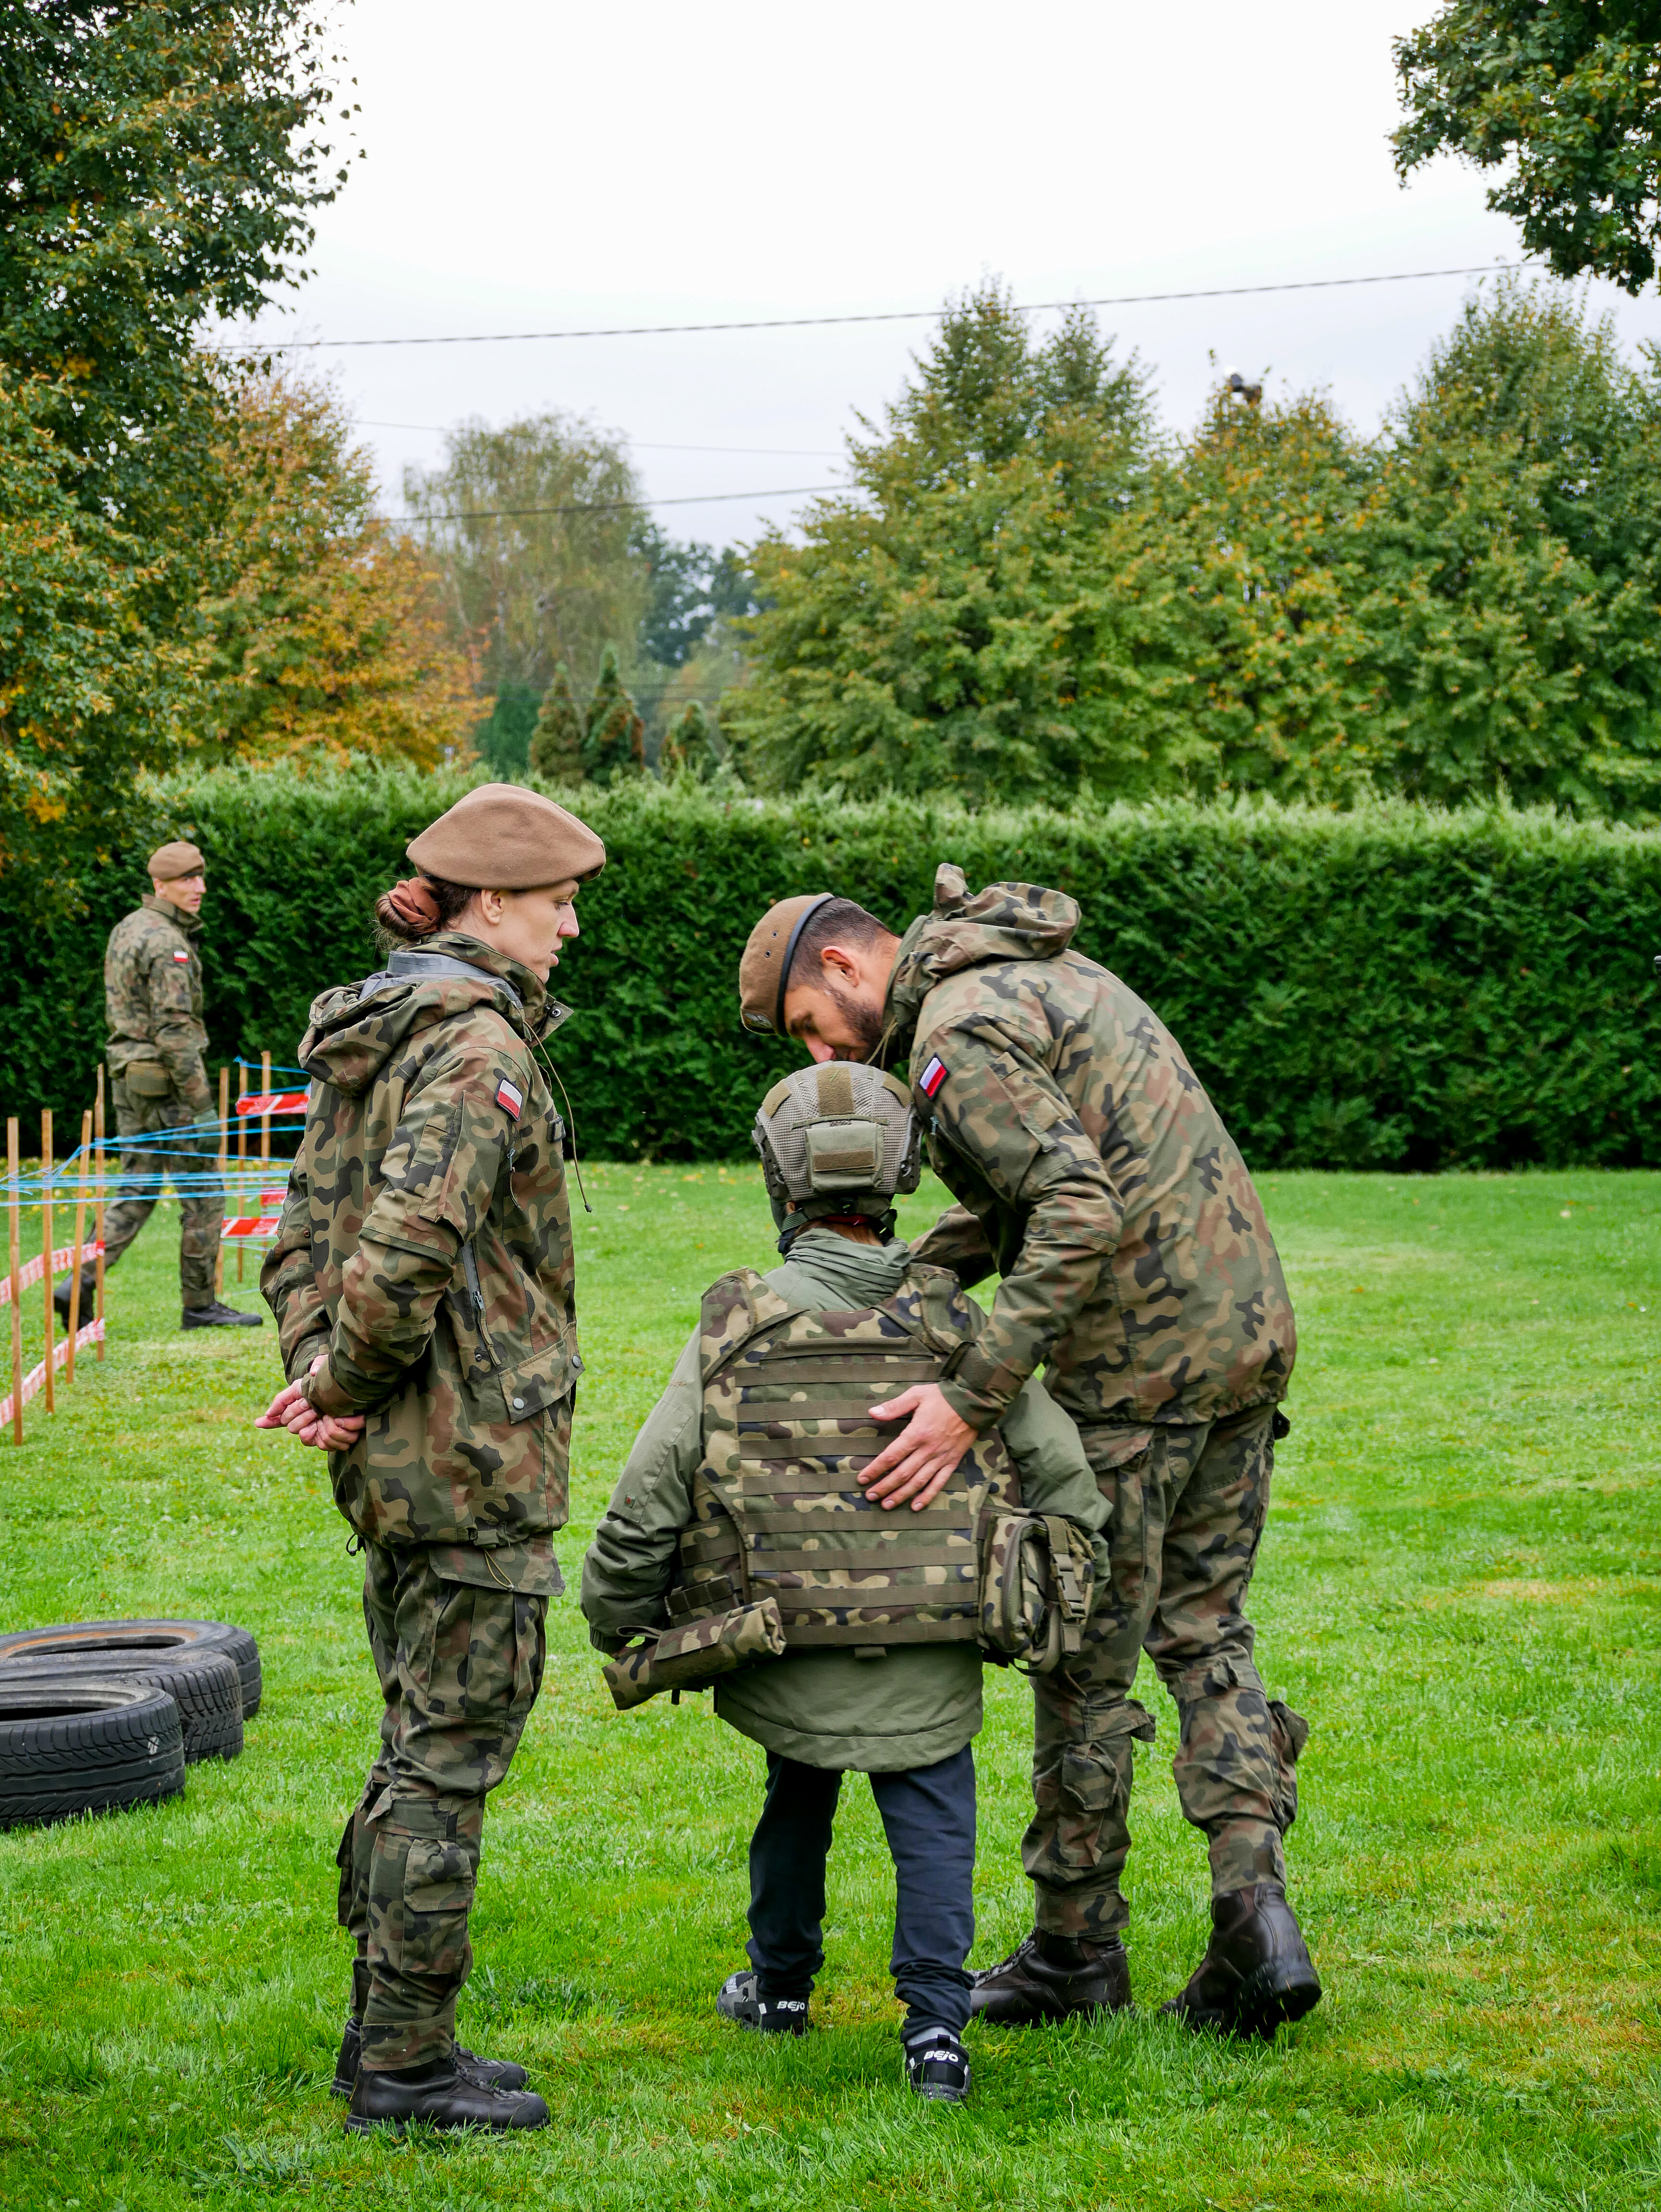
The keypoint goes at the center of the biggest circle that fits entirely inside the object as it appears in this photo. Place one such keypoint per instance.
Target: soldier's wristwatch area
(324, 1395)
(978, 1389)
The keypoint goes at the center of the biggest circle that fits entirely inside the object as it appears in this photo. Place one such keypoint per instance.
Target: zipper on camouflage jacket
(475, 1291)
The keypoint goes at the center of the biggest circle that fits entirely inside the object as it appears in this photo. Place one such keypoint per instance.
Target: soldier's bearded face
(833, 1021)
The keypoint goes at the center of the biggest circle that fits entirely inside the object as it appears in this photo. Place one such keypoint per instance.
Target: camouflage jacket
(1092, 1172)
(425, 1245)
(824, 1707)
(153, 1000)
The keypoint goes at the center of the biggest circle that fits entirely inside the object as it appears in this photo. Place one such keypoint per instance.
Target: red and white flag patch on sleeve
(509, 1097)
(932, 1077)
(183, 959)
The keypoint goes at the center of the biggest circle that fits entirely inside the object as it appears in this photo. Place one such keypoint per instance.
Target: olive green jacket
(920, 1704)
(425, 1249)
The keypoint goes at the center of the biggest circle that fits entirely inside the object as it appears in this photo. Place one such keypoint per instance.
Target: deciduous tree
(1568, 92)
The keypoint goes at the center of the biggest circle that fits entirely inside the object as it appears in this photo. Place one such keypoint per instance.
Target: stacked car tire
(99, 1714)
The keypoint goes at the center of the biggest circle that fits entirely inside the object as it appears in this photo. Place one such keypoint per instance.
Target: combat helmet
(837, 1138)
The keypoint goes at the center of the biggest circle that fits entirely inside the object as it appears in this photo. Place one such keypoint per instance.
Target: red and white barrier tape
(34, 1380)
(32, 1270)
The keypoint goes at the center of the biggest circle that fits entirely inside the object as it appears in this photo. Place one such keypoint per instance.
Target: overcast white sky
(534, 167)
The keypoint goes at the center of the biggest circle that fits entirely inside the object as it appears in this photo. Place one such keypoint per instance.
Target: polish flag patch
(509, 1097)
(932, 1077)
(183, 959)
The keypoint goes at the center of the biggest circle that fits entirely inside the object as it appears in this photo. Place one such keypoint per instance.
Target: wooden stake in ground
(224, 1163)
(16, 1287)
(241, 1142)
(264, 1120)
(80, 1245)
(46, 1232)
(98, 1209)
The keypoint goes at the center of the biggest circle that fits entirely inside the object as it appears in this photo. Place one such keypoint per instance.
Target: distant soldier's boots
(1052, 1978)
(442, 2095)
(215, 1315)
(61, 1296)
(494, 2073)
(739, 1998)
(1256, 1972)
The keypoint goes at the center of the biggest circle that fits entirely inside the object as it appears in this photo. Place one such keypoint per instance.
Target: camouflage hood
(355, 1031)
(1005, 922)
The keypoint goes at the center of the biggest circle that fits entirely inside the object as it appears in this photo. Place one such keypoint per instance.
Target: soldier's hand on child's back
(917, 1466)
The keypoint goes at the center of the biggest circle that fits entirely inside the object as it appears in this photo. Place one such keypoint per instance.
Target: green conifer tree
(614, 745)
(689, 745)
(556, 740)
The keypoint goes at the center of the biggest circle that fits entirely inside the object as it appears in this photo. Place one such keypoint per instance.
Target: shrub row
(1389, 987)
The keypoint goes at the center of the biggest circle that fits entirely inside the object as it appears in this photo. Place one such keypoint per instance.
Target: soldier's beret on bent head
(169, 862)
(501, 837)
(765, 969)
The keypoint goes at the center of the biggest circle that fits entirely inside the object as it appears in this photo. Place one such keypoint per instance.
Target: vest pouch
(1037, 1578)
(147, 1079)
(691, 1658)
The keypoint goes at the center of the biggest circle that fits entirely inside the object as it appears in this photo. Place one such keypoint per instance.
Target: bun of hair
(420, 907)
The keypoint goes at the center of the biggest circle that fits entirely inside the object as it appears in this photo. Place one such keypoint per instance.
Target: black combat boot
(937, 2066)
(494, 2073)
(440, 2095)
(61, 1296)
(739, 1998)
(1052, 1978)
(1257, 1971)
(215, 1315)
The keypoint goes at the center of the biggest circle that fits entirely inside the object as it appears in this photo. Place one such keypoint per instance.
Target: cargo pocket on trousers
(1290, 1733)
(506, 1650)
(438, 1880)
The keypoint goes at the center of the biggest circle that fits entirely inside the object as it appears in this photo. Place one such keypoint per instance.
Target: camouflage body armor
(778, 1509)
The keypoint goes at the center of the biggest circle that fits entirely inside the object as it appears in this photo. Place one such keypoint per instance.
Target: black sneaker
(440, 2095)
(493, 2073)
(937, 2066)
(739, 1998)
(1256, 1972)
(217, 1315)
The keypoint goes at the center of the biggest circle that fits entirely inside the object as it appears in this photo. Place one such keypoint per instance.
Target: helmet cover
(838, 1138)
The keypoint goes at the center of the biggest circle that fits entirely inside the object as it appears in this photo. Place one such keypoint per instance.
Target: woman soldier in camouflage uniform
(423, 1280)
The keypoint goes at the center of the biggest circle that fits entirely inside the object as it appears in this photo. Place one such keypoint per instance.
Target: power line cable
(646, 444)
(611, 506)
(893, 315)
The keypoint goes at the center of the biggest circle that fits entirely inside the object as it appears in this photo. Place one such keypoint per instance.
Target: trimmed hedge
(1384, 989)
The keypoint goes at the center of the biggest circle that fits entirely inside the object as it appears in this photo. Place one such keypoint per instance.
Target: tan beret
(765, 969)
(169, 862)
(501, 837)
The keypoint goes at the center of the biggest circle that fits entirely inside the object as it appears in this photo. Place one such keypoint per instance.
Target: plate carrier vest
(777, 1509)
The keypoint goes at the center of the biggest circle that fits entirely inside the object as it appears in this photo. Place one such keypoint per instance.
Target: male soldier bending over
(744, 1484)
(1096, 1178)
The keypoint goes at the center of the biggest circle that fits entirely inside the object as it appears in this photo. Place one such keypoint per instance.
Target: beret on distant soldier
(764, 968)
(501, 837)
(169, 862)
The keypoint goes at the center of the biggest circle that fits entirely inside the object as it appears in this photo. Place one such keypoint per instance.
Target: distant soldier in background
(153, 1000)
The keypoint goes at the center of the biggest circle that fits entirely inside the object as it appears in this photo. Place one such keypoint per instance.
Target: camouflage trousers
(1189, 1505)
(460, 1666)
(201, 1208)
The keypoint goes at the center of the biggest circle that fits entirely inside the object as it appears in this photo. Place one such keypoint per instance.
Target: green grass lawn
(1458, 1587)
